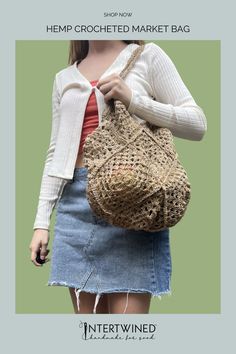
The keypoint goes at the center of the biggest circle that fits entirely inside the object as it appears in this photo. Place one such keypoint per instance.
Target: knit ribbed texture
(50, 186)
(158, 96)
(175, 109)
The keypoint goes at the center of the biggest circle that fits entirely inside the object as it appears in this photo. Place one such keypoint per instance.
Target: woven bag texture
(135, 178)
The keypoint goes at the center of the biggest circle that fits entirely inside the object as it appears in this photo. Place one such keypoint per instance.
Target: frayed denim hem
(99, 294)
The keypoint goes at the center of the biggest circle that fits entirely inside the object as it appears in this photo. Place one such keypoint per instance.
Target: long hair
(79, 49)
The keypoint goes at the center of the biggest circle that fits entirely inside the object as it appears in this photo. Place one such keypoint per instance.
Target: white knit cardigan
(158, 95)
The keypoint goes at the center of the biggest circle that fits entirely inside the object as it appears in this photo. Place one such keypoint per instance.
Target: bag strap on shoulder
(130, 63)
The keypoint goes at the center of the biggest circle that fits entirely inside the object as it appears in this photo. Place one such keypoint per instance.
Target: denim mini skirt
(90, 255)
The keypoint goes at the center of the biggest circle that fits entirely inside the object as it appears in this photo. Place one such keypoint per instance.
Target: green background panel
(195, 241)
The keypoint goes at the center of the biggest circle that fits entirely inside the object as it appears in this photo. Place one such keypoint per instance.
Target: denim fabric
(91, 255)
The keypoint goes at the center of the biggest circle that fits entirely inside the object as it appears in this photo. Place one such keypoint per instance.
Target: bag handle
(130, 63)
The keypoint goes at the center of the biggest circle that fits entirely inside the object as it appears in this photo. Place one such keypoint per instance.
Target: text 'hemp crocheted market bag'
(135, 178)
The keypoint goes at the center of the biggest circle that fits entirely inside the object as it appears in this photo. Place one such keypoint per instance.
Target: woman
(107, 269)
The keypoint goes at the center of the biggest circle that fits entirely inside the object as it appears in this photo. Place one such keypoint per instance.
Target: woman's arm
(173, 106)
(50, 186)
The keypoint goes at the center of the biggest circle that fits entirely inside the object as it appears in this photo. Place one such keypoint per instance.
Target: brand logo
(120, 331)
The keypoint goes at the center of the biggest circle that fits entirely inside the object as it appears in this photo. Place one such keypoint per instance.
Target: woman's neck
(101, 47)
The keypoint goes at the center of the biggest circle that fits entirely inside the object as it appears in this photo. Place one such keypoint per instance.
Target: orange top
(90, 117)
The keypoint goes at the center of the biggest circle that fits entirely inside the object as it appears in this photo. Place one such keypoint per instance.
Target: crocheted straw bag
(135, 179)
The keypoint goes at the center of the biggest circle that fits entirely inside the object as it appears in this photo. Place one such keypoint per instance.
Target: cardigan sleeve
(50, 186)
(172, 105)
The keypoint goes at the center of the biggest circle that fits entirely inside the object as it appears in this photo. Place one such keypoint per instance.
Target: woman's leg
(113, 303)
(129, 302)
(87, 301)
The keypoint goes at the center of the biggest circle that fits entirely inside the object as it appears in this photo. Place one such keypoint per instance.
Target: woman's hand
(39, 242)
(113, 86)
